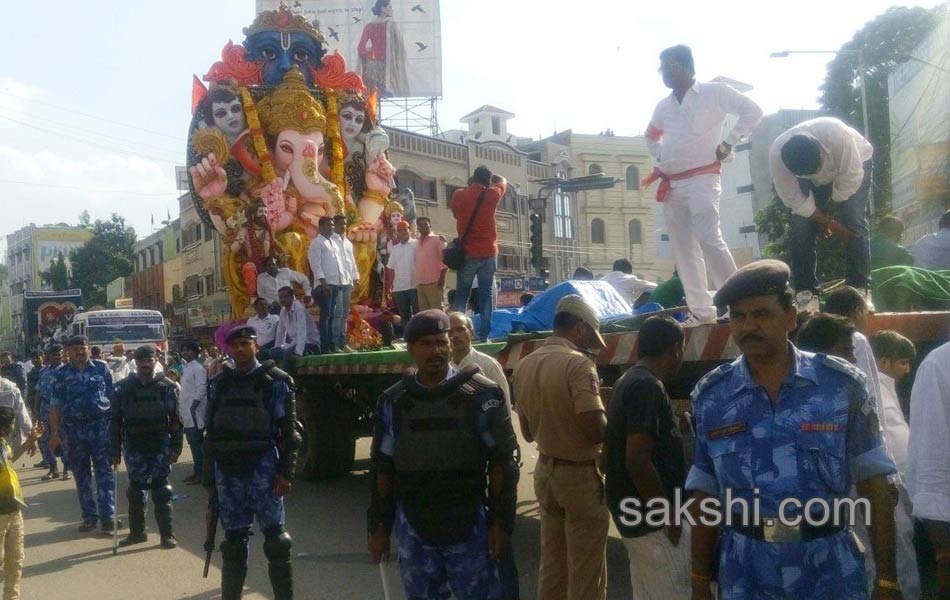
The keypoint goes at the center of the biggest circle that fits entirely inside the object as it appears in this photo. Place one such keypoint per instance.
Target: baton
(115, 514)
(382, 575)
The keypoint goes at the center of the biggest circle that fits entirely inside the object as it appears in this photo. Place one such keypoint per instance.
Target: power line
(85, 189)
(87, 142)
(6, 91)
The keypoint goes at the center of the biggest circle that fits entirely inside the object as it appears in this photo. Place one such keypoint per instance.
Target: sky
(95, 95)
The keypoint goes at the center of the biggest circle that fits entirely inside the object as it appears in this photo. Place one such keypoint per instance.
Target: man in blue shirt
(780, 427)
(81, 406)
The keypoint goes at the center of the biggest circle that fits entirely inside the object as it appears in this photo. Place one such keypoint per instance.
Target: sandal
(66, 476)
(51, 475)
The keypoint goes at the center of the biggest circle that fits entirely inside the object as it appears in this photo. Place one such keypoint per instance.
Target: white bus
(132, 327)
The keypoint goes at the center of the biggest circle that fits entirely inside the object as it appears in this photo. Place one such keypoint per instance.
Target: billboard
(47, 251)
(395, 45)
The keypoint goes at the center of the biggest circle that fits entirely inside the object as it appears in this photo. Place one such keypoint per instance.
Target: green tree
(881, 44)
(57, 276)
(84, 219)
(105, 257)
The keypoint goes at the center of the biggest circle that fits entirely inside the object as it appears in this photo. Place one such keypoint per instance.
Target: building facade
(204, 297)
(30, 251)
(920, 133)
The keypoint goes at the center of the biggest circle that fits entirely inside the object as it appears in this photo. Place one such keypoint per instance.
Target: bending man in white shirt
(275, 277)
(626, 283)
(685, 139)
(820, 166)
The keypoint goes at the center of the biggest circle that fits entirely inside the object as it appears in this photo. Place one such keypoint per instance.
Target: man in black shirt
(646, 461)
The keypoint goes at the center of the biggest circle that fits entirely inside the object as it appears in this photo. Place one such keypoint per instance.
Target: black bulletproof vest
(146, 417)
(440, 467)
(241, 423)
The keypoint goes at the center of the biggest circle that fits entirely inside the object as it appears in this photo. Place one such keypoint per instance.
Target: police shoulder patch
(840, 365)
(491, 403)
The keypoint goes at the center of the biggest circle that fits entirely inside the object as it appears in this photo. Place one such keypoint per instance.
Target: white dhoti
(691, 212)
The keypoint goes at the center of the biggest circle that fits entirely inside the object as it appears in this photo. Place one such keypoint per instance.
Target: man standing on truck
(557, 390)
(443, 471)
(12, 370)
(81, 405)
(780, 431)
(685, 139)
(251, 441)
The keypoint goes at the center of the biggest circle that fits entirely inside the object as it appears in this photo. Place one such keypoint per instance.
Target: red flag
(198, 93)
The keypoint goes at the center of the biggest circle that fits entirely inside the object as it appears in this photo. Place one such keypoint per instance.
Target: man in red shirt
(430, 272)
(481, 243)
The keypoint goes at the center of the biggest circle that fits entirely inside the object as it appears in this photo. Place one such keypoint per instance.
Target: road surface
(326, 519)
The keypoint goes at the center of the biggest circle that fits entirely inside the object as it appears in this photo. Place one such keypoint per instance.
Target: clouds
(14, 94)
(48, 186)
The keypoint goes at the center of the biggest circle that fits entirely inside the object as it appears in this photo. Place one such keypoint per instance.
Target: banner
(394, 45)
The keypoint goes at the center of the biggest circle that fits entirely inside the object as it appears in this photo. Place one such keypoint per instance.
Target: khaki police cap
(573, 304)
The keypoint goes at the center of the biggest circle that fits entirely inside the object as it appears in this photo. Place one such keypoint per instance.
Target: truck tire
(329, 422)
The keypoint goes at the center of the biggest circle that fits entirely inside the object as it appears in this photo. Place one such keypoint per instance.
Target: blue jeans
(484, 269)
(281, 356)
(853, 214)
(340, 315)
(327, 304)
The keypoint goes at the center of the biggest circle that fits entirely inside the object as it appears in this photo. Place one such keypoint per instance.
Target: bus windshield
(127, 332)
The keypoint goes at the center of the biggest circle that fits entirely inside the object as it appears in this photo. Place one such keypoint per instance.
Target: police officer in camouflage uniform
(44, 381)
(251, 442)
(443, 472)
(146, 427)
(81, 407)
(787, 427)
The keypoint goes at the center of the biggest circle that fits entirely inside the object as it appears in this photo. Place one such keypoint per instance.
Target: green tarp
(908, 289)
(378, 357)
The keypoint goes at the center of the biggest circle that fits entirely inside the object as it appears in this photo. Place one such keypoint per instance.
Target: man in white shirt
(326, 263)
(191, 405)
(297, 333)
(402, 262)
(933, 250)
(463, 354)
(685, 139)
(626, 283)
(348, 278)
(275, 277)
(820, 166)
(264, 324)
(928, 468)
(10, 396)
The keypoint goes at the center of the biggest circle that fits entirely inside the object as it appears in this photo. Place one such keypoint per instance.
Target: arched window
(635, 228)
(595, 169)
(633, 178)
(597, 234)
(423, 188)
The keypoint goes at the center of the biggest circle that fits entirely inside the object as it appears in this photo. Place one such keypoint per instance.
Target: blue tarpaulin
(539, 315)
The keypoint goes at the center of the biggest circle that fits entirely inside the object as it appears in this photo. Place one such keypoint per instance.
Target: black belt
(774, 530)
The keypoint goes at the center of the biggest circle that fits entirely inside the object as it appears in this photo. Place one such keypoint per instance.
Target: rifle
(211, 528)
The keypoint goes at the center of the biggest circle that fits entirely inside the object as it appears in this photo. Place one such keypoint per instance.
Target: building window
(563, 221)
(509, 259)
(192, 286)
(510, 201)
(597, 233)
(594, 169)
(745, 189)
(633, 178)
(496, 125)
(635, 231)
(423, 188)
(449, 192)
(209, 284)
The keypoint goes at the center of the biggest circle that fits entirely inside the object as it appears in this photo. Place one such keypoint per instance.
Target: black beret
(146, 351)
(427, 322)
(759, 278)
(77, 340)
(53, 348)
(242, 332)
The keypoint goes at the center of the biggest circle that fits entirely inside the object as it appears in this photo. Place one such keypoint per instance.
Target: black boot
(136, 516)
(277, 545)
(162, 497)
(234, 553)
